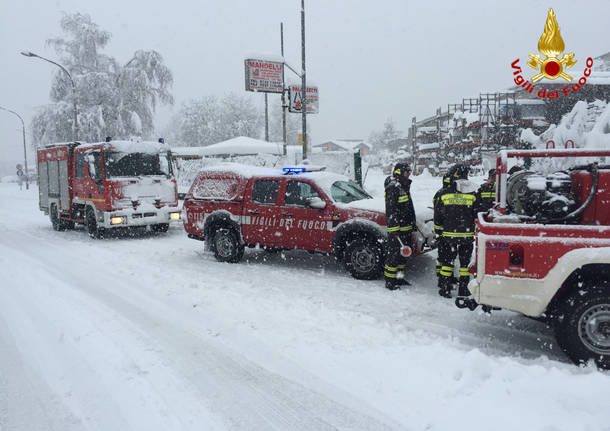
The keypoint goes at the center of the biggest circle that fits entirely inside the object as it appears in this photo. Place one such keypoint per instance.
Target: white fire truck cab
(108, 185)
(544, 249)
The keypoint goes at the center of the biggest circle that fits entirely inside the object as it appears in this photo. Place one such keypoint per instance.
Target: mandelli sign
(265, 76)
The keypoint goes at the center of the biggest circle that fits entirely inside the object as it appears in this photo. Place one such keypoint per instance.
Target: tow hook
(465, 302)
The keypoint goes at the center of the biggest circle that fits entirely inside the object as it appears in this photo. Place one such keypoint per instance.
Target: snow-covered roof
(346, 144)
(240, 145)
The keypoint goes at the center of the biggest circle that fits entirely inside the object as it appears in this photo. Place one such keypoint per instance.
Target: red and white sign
(295, 95)
(265, 76)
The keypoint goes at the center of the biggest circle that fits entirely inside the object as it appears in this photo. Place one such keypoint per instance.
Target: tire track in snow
(245, 394)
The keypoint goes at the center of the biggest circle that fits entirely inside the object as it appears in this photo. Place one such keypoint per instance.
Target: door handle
(286, 215)
(253, 212)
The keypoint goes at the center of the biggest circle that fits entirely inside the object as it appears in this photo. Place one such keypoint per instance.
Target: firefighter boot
(464, 299)
(444, 287)
(390, 284)
(463, 286)
(400, 279)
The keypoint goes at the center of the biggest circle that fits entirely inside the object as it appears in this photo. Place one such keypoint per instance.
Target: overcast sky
(371, 60)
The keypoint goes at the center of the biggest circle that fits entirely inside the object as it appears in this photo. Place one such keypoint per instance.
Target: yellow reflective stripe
(446, 273)
(393, 229)
(457, 202)
(437, 227)
(406, 228)
(488, 194)
(402, 199)
(389, 274)
(391, 268)
(458, 199)
(464, 271)
(458, 196)
(458, 234)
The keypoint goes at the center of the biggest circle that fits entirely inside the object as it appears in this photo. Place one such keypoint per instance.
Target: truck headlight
(117, 220)
(174, 216)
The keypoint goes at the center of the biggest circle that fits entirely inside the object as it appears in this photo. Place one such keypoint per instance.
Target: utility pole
(266, 118)
(25, 155)
(304, 81)
(283, 92)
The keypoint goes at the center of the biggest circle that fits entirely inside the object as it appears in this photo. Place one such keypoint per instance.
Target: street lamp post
(31, 54)
(25, 155)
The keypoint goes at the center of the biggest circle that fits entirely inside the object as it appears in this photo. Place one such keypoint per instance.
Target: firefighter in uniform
(400, 216)
(435, 199)
(454, 223)
(486, 194)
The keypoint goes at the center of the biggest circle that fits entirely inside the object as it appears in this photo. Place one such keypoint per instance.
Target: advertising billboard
(264, 76)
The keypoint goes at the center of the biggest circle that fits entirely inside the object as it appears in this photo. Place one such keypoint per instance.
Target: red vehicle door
(305, 227)
(88, 184)
(261, 221)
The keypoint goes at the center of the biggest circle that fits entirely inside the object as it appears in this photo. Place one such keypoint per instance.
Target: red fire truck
(544, 250)
(234, 206)
(107, 185)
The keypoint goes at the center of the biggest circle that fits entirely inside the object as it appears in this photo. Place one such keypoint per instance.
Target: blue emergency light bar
(294, 170)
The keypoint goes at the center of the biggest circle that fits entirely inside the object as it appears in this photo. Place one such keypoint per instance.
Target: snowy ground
(151, 333)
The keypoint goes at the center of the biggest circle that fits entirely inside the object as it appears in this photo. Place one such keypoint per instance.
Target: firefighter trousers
(448, 250)
(394, 261)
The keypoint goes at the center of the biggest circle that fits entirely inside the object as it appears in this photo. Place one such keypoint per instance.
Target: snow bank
(587, 125)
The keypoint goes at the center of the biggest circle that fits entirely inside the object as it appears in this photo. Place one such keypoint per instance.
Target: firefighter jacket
(454, 214)
(486, 197)
(399, 210)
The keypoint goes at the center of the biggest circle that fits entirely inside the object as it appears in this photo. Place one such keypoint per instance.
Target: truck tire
(582, 328)
(91, 225)
(363, 259)
(55, 220)
(226, 245)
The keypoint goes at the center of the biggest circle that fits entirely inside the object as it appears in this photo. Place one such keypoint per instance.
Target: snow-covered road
(151, 333)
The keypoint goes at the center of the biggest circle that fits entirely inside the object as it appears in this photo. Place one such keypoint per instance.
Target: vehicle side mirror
(316, 203)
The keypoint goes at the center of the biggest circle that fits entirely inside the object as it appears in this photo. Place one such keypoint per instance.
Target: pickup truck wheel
(583, 326)
(226, 246)
(363, 259)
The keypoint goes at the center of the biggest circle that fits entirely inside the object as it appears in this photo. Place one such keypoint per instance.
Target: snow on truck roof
(121, 146)
(247, 171)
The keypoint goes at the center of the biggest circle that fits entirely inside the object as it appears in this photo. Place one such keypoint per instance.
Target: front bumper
(139, 217)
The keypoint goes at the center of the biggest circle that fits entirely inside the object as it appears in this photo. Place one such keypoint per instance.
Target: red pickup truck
(232, 206)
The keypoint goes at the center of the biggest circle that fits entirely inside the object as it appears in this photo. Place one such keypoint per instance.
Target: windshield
(136, 164)
(347, 191)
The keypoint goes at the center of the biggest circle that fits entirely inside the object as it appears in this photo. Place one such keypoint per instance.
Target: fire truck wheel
(364, 259)
(226, 245)
(55, 220)
(91, 224)
(583, 327)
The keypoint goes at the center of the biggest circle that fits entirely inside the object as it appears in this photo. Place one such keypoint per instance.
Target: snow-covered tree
(112, 99)
(209, 120)
(380, 139)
